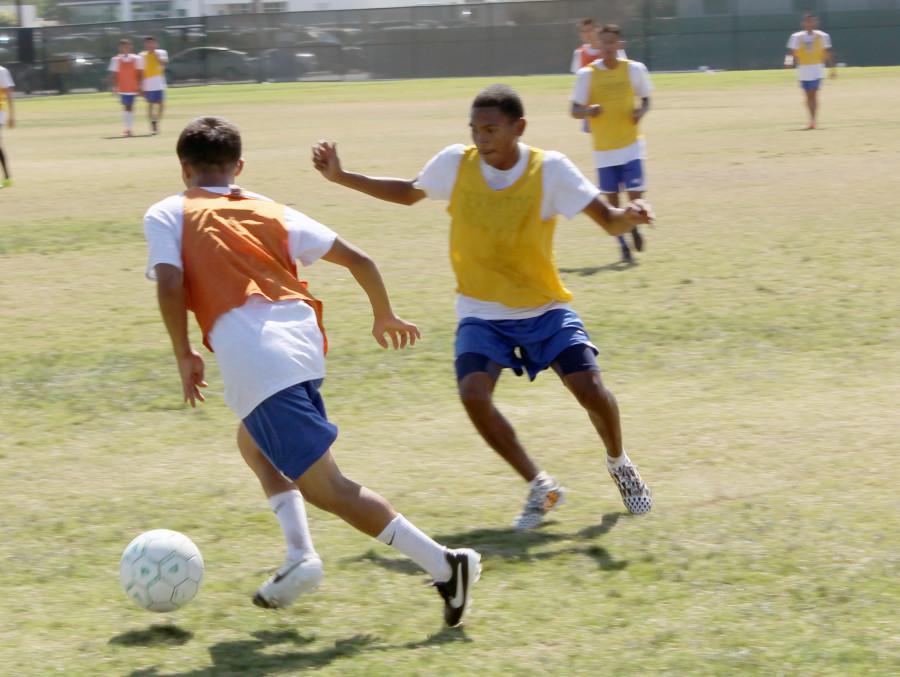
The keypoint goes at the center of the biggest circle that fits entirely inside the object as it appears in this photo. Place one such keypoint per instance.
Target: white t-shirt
(156, 82)
(566, 191)
(640, 83)
(261, 347)
(6, 82)
(803, 40)
(118, 58)
(576, 56)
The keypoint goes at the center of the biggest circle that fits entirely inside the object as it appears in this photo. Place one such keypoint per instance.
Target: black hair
(584, 23)
(503, 97)
(209, 143)
(149, 37)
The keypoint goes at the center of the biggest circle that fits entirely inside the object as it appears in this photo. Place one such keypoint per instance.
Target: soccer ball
(161, 570)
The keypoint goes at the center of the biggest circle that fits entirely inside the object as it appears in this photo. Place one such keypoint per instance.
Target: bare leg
(476, 392)
(812, 104)
(272, 481)
(613, 199)
(3, 164)
(601, 406)
(325, 487)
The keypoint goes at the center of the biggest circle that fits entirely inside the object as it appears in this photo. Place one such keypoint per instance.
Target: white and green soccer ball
(161, 570)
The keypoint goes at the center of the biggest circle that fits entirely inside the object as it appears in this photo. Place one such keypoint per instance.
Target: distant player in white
(809, 50)
(7, 117)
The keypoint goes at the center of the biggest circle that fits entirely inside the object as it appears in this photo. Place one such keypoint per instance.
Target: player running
(125, 73)
(513, 309)
(605, 95)
(589, 51)
(810, 50)
(229, 256)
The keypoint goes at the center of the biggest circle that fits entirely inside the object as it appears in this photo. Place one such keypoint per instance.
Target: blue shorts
(155, 96)
(292, 429)
(127, 99)
(811, 85)
(530, 345)
(629, 176)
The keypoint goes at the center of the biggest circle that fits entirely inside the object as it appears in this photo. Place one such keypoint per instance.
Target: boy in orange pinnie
(228, 255)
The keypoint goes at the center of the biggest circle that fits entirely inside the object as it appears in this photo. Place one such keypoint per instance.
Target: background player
(125, 73)
(7, 118)
(605, 95)
(154, 81)
(589, 51)
(810, 49)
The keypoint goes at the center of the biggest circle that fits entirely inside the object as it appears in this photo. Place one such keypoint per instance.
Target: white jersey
(566, 191)
(261, 347)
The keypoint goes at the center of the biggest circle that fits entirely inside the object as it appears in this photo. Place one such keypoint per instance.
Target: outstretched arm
(368, 277)
(326, 161)
(172, 297)
(617, 221)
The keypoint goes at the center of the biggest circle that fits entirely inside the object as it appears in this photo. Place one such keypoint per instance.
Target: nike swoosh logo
(391, 542)
(280, 575)
(459, 597)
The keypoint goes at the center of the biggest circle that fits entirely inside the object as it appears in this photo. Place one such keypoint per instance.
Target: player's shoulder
(822, 34)
(637, 66)
(165, 208)
(586, 70)
(552, 158)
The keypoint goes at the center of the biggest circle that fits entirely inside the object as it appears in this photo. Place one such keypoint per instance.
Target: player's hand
(191, 368)
(639, 212)
(594, 110)
(325, 159)
(400, 331)
(637, 114)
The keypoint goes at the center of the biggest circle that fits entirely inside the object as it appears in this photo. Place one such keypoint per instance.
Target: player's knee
(592, 394)
(475, 397)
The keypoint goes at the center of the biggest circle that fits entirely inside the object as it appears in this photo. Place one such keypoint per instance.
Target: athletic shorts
(155, 96)
(529, 345)
(127, 99)
(811, 85)
(629, 176)
(292, 429)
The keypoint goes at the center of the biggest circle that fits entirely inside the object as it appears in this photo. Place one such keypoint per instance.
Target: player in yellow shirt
(7, 117)
(810, 50)
(154, 82)
(513, 309)
(605, 94)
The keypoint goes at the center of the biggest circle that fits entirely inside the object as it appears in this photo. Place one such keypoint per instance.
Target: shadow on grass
(587, 271)
(155, 635)
(250, 657)
(510, 545)
(122, 136)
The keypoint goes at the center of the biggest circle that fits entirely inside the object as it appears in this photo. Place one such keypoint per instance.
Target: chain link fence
(496, 38)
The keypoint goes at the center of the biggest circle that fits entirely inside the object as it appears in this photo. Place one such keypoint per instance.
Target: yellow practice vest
(614, 127)
(152, 65)
(500, 248)
(813, 54)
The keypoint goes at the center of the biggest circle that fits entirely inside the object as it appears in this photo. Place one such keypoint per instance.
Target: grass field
(755, 352)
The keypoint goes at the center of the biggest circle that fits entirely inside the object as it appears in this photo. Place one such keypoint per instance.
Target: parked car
(284, 64)
(62, 71)
(210, 63)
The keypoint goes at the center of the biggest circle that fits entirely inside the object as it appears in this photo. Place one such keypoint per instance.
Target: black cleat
(465, 567)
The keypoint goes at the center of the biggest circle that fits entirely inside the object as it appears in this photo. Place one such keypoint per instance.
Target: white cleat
(544, 496)
(635, 494)
(293, 578)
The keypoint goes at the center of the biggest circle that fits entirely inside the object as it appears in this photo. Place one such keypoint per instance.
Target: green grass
(754, 353)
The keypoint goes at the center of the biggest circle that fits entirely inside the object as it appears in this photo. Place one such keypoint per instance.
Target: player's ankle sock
(402, 534)
(129, 119)
(616, 461)
(291, 513)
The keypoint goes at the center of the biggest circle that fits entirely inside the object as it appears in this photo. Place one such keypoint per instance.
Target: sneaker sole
(309, 584)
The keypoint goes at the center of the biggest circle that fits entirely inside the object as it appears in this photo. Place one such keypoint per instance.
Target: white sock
(291, 514)
(616, 462)
(402, 534)
(129, 119)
